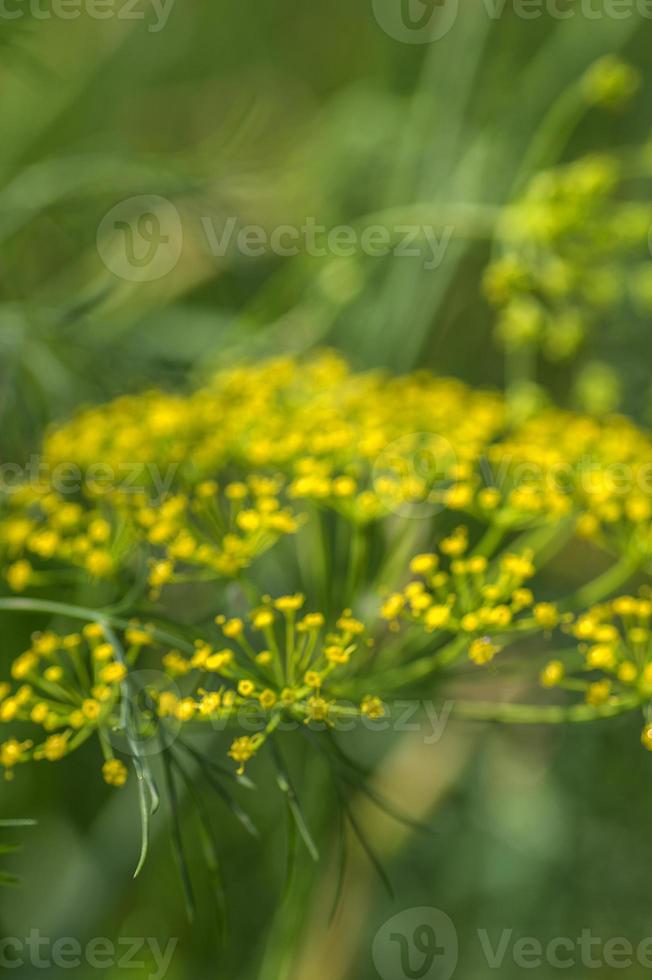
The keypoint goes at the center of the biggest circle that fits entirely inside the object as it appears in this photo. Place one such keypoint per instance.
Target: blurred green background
(275, 113)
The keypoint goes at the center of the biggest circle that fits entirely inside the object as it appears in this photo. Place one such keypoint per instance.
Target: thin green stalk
(423, 666)
(534, 714)
(490, 541)
(356, 564)
(89, 616)
(605, 584)
(546, 541)
(551, 137)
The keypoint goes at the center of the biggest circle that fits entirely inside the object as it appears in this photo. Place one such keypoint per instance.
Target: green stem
(421, 667)
(356, 564)
(605, 584)
(491, 541)
(534, 714)
(89, 616)
(550, 139)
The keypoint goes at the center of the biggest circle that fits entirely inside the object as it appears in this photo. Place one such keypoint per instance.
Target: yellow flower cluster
(569, 241)
(319, 432)
(69, 687)
(569, 245)
(261, 449)
(615, 646)
(294, 446)
(208, 533)
(468, 595)
(281, 663)
(597, 472)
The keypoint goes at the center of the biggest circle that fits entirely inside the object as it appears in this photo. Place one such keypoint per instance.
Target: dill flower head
(326, 468)
(613, 665)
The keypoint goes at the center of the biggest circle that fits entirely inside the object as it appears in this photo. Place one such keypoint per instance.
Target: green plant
(344, 538)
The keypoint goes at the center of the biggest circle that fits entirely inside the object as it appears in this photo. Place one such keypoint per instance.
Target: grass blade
(176, 835)
(210, 849)
(208, 770)
(286, 787)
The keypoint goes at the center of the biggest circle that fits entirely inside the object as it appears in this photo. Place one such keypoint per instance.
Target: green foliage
(274, 114)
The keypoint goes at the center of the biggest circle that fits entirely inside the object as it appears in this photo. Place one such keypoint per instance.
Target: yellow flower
(456, 544)
(185, 709)
(13, 752)
(392, 607)
(218, 661)
(113, 673)
(437, 617)
(552, 674)
(348, 624)
(232, 628)
(598, 693)
(18, 575)
(344, 486)
(45, 643)
(336, 654)
(160, 574)
(175, 664)
(8, 709)
(93, 631)
(289, 603)
(248, 521)
(267, 699)
(241, 751)
(103, 652)
(262, 619)
(311, 621)
(114, 772)
(546, 615)
(210, 703)
(318, 708)
(91, 709)
(99, 563)
(372, 707)
(483, 650)
(518, 566)
(137, 636)
(601, 657)
(54, 748)
(39, 713)
(422, 564)
(627, 672)
(24, 665)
